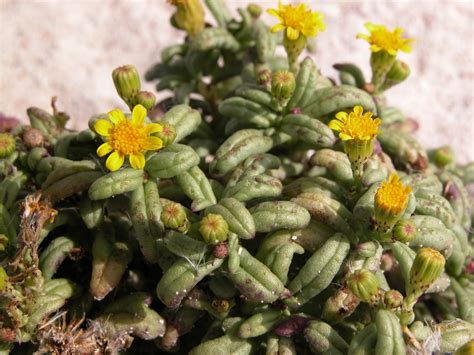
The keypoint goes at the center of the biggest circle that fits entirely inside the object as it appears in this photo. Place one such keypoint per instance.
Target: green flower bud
(364, 284)
(214, 229)
(264, 77)
(7, 145)
(146, 99)
(254, 10)
(167, 135)
(393, 299)
(427, 267)
(127, 83)
(443, 156)
(367, 249)
(189, 16)
(283, 85)
(3, 279)
(466, 349)
(174, 216)
(397, 74)
(404, 231)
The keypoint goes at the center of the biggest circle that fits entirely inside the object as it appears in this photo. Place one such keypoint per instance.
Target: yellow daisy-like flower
(356, 125)
(392, 196)
(297, 21)
(127, 137)
(382, 39)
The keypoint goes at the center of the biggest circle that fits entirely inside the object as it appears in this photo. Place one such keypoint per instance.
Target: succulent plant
(229, 218)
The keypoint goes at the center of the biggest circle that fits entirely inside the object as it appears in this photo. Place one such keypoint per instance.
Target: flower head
(7, 145)
(381, 39)
(364, 284)
(392, 196)
(427, 266)
(297, 21)
(356, 125)
(127, 137)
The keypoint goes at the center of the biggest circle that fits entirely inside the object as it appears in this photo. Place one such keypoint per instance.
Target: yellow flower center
(392, 195)
(356, 125)
(127, 138)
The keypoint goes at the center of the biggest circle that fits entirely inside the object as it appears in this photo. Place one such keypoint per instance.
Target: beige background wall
(68, 48)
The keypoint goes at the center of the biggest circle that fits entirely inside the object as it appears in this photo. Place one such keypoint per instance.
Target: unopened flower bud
(397, 74)
(264, 77)
(214, 229)
(221, 250)
(32, 137)
(7, 145)
(173, 215)
(254, 10)
(127, 83)
(404, 231)
(283, 85)
(364, 284)
(167, 135)
(427, 267)
(189, 16)
(393, 299)
(443, 156)
(367, 249)
(146, 99)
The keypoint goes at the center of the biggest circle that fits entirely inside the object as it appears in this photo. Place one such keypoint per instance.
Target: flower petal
(342, 116)
(103, 127)
(345, 136)
(277, 28)
(116, 116)
(153, 128)
(358, 110)
(153, 143)
(114, 161)
(137, 161)
(275, 13)
(335, 125)
(138, 115)
(104, 149)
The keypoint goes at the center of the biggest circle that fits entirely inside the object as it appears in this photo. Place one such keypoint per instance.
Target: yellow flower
(127, 137)
(297, 20)
(392, 196)
(382, 39)
(356, 125)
